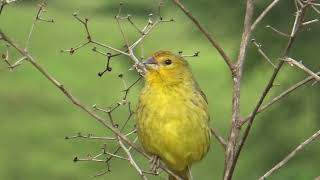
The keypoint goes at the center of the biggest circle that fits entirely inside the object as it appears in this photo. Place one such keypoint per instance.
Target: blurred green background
(35, 117)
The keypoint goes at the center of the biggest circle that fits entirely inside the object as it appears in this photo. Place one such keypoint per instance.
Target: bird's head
(166, 67)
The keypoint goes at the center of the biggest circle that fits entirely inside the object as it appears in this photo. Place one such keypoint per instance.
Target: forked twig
(37, 18)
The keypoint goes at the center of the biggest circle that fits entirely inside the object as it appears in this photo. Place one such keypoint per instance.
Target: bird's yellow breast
(173, 123)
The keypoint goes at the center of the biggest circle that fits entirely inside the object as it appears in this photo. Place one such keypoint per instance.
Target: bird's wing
(200, 91)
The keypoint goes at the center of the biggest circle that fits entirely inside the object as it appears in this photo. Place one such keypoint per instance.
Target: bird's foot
(155, 164)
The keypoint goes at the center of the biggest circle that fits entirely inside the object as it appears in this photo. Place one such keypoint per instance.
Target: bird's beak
(151, 63)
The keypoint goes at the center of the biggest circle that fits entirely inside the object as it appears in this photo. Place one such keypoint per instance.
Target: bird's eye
(168, 62)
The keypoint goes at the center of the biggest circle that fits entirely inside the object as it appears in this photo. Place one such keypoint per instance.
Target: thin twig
(131, 160)
(196, 54)
(291, 155)
(219, 138)
(263, 53)
(292, 62)
(89, 136)
(35, 20)
(3, 3)
(310, 22)
(209, 36)
(280, 96)
(278, 32)
(263, 14)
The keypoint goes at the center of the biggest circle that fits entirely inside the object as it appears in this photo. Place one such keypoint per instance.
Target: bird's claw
(155, 164)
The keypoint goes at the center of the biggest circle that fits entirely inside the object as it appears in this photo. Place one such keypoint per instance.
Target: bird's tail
(185, 174)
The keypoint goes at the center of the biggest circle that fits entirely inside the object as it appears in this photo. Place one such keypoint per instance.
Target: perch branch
(75, 101)
(131, 160)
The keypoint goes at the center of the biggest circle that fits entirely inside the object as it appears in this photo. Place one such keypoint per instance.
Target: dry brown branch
(280, 96)
(209, 36)
(231, 149)
(291, 155)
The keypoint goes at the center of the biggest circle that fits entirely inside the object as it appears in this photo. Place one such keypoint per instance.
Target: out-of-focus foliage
(35, 117)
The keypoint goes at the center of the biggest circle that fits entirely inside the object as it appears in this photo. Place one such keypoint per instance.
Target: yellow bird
(172, 114)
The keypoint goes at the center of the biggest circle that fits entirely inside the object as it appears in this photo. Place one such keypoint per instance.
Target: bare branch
(278, 32)
(89, 136)
(263, 53)
(37, 18)
(310, 22)
(219, 138)
(291, 155)
(296, 26)
(230, 153)
(196, 54)
(211, 38)
(280, 96)
(292, 62)
(131, 160)
(263, 14)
